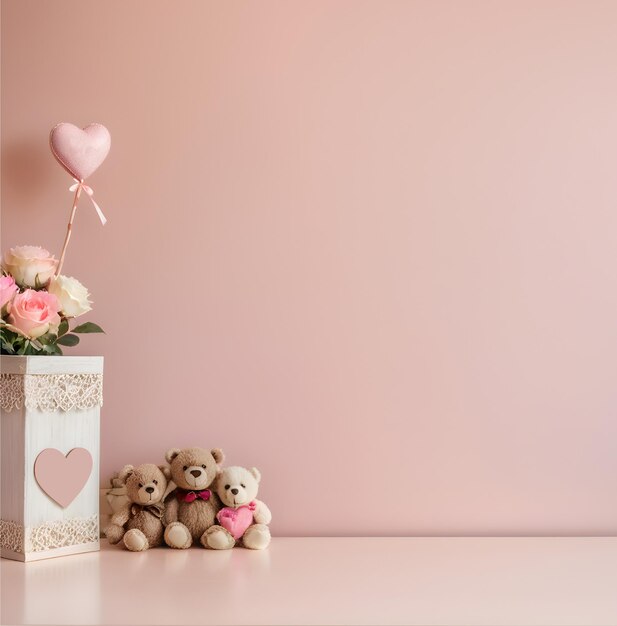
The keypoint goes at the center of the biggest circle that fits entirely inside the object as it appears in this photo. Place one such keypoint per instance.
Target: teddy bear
(191, 509)
(243, 519)
(139, 522)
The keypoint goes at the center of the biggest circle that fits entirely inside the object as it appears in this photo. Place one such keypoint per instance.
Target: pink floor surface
(457, 581)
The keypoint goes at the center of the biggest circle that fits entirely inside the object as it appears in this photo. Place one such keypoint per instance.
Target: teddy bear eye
(185, 468)
(204, 466)
(226, 486)
(241, 485)
(140, 485)
(156, 482)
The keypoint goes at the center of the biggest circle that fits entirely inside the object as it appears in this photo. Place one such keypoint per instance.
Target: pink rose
(34, 313)
(30, 266)
(8, 289)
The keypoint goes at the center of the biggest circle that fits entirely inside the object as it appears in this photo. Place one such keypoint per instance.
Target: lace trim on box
(11, 536)
(51, 392)
(50, 535)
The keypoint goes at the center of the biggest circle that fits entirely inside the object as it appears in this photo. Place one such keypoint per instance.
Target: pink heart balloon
(62, 477)
(80, 152)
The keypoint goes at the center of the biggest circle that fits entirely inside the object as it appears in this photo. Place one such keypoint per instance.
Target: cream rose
(30, 266)
(71, 294)
(34, 313)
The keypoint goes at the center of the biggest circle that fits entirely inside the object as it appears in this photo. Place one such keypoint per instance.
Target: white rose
(71, 294)
(30, 266)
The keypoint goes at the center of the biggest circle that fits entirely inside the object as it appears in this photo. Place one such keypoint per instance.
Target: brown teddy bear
(140, 521)
(244, 519)
(191, 509)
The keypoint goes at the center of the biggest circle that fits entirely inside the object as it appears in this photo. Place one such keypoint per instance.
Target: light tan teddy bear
(243, 519)
(191, 509)
(139, 523)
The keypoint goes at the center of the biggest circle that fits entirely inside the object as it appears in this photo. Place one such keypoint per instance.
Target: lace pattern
(50, 535)
(11, 536)
(51, 392)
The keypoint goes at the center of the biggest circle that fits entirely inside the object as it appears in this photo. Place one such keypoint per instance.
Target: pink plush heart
(62, 477)
(236, 521)
(80, 152)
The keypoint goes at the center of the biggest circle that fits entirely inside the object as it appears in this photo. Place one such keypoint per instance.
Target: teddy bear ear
(217, 455)
(171, 454)
(256, 473)
(124, 473)
(166, 471)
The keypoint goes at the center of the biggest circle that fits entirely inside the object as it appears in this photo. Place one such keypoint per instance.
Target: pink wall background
(368, 247)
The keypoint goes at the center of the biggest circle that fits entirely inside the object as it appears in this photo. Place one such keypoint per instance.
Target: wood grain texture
(12, 480)
(63, 431)
(52, 365)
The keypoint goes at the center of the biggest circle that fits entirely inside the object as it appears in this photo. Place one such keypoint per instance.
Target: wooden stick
(69, 228)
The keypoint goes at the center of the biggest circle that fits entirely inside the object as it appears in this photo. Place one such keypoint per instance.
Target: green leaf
(8, 348)
(63, 328)
(88, 327)
(24, 347)
(48, 338)
(52, 349)
(28, 349)
(68, 340)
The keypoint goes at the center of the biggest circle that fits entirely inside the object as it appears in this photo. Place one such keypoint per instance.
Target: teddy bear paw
(177, 535)
(135, 540)
(256, 537)
(114, 533)
(217, 538)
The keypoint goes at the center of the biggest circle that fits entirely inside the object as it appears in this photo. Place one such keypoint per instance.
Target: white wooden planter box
(50, 409)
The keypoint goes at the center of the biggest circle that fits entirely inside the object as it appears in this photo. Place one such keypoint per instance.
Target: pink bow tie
(191, 496)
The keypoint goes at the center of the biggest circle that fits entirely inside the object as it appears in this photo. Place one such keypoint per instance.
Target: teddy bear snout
(150, 489)
(235, 492)
(196, 473)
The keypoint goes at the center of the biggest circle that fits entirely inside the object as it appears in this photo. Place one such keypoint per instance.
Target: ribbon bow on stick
(88, 190)
(77, 188)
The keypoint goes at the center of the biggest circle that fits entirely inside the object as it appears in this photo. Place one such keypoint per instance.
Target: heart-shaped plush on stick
(80, 152)
(62, 477)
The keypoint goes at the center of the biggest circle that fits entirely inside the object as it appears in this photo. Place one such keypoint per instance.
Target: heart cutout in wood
(80, 151)
(62, 477)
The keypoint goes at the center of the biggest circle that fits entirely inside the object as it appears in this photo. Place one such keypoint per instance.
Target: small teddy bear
(244, 519)
(192, 507)
(139, 522)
